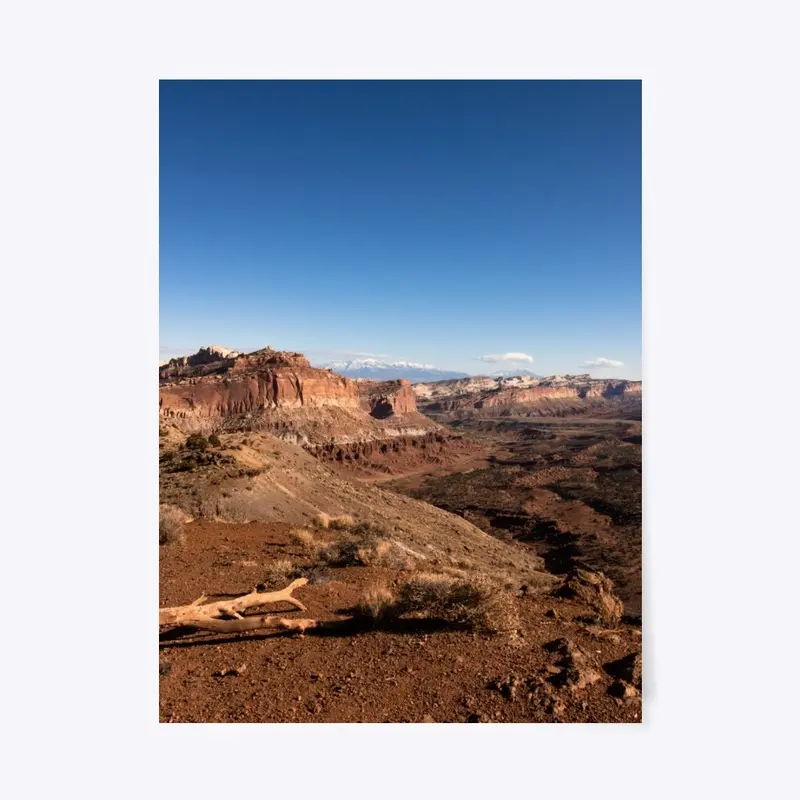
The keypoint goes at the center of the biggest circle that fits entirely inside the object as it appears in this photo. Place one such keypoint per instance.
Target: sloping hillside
(257, 476)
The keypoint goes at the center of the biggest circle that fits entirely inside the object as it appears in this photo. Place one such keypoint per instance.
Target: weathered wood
(197, 611)
(253, 623)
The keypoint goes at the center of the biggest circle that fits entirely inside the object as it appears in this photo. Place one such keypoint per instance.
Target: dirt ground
(421, 671)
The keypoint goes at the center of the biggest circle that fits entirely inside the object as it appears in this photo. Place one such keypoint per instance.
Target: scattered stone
(507, 686)
(233, 672)
(164, 668)
(477, 717)
(604, 633)
(576, 677)
(428, 718)
(563, 647)
(577, 668)
(595, 590)
(628, 668)
(623, 691)
(544, 698)
(552, 613)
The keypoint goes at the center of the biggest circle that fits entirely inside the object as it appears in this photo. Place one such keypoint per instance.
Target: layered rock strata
(282, 393)
(489, 392)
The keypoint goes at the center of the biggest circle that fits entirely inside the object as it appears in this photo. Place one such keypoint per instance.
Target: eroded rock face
(249, 384)
(384, 399)
(576, 668)
(278, 391)
(624, 692)
(627, 669)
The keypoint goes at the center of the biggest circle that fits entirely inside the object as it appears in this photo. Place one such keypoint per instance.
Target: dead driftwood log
(225, 616)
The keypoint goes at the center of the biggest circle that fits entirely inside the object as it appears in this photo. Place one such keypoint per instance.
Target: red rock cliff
(386, 398)
(281, 392)
(266, 379)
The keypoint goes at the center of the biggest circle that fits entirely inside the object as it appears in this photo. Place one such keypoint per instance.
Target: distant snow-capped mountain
(391, 370)
(515, 373)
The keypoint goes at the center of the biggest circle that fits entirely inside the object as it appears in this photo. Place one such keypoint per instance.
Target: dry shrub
(385, 553)
(378, 604)
(375, 554)
(231, 511)
(170, 525)
(341, 523)
(363, 544)
(305, 539)
(322, 520)
(474, 602)
(344, 553)
(206, 507)
(279, 574)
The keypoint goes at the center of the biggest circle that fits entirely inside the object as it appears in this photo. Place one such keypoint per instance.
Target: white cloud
(603, 363)
(499, 358)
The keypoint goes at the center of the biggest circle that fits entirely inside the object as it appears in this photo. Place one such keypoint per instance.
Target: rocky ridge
(338, 419)
(486, 392)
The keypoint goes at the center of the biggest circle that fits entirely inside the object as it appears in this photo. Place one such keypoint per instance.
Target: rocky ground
(570, 488)
(563, 665)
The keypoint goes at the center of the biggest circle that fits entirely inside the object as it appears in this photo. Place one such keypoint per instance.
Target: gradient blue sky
(434, 221)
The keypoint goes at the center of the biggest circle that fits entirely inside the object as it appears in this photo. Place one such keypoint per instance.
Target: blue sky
(433, 221)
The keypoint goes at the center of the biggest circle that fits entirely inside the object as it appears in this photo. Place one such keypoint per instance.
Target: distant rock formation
(280, 392)
(482, 392)
(205, 355)
(387, 398)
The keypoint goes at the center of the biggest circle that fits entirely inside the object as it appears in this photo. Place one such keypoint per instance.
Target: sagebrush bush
(306, 539)
(378, 603)
(197, 442)
(362, 544)
(473, 601)
(170, 525)
(279, 574)
(214, 441)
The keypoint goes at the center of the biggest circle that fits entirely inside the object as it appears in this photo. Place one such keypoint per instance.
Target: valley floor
(570, 488)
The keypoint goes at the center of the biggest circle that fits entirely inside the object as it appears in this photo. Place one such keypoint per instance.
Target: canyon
(530, 485)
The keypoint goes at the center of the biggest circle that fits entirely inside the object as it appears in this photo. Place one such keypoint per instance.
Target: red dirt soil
(420, 672)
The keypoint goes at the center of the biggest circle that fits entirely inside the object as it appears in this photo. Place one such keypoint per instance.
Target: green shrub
(197, 442)
(214, 441)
